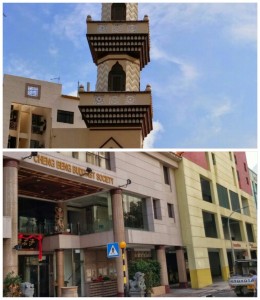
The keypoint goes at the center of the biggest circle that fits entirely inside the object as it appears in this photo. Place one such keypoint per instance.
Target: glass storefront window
(93, 215)
(35, 216)
(135, 215)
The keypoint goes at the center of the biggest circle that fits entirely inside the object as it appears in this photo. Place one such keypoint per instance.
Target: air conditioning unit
(42, 120)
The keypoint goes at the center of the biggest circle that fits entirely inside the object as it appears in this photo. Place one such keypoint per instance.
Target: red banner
(30, 244)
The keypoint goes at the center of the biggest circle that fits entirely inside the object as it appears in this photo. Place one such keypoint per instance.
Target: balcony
(125, 37)
(60, 241)
(67, 240)
(38, 124)
(117, 109)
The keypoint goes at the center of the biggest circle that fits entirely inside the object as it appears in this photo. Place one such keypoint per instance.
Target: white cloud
(215, 111)
(236, 20)
(70, 25)
(252, 160)
(74, 93)
(21, 67)
(221, 109)
(181, 75)
(53, 50)
(27, 68)
(188, 70)
(244, 32)
(207, 119)
(153, 135)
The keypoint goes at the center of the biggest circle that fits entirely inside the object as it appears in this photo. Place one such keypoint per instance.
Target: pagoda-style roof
(120, 37)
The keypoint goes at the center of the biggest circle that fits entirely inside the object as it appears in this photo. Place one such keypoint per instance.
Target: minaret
(118, 114)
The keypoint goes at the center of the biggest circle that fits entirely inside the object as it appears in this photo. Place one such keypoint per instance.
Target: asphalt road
(225, 293)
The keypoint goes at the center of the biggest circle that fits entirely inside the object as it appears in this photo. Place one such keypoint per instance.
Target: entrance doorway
(214, 262)
(172, 267)
(39, 273)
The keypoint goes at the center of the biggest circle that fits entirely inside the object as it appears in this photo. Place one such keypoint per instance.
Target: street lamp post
(229, 232)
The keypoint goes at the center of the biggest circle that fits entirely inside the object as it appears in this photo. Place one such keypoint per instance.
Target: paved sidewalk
(202, 292)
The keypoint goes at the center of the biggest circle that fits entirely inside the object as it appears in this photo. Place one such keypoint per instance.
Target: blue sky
(202, 71)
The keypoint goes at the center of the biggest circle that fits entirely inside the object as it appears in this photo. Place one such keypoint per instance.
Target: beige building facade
(64, 208)
(32, 109)
(212, 197)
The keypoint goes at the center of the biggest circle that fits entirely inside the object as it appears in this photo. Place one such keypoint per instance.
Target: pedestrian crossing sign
(113, 250)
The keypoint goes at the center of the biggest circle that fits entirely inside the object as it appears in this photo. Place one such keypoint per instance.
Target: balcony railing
(81, 229)
(115, 98)
(115, 27)
(73, 228)
(127, 37)
(13, 125)
(117, 109)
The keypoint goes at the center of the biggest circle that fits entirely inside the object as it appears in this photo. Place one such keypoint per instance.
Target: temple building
(116, 115)
(61, 210)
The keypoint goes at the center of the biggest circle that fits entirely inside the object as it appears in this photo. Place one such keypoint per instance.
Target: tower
(118, 114)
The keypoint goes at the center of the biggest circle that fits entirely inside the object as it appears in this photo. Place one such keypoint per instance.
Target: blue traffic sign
(113, 250)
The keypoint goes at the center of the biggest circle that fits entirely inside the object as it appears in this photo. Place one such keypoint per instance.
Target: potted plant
(151, 269)
(149, 283)
(12, 285)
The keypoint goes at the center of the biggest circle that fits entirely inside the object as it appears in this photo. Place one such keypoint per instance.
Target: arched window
(118, 12)
(116, 78)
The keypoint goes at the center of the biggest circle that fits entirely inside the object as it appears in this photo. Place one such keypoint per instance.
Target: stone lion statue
(137, 285)
(27, 289)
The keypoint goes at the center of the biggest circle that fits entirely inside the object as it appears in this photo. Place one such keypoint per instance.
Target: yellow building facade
(210, 200)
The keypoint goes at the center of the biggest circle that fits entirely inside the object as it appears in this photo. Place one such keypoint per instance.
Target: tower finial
(148, 88)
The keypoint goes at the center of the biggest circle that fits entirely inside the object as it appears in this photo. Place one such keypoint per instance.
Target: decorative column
(183, 282)
(161, 257)
(59, 270)
(119, 235)
(10, 209)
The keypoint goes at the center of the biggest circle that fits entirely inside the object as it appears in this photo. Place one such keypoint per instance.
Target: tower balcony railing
(115, 98)
(117, 27)
(119, 37)
(117, 109)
